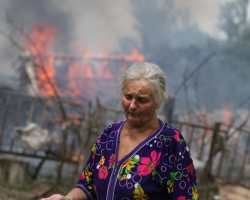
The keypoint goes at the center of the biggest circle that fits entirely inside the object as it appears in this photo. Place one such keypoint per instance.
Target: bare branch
(193, 72)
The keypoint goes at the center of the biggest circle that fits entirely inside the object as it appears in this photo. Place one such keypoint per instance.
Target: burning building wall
(80, 77)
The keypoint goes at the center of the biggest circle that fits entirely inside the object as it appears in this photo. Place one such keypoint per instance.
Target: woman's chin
(133, 120)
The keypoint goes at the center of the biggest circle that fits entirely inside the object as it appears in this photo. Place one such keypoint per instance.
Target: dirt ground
(234, 192)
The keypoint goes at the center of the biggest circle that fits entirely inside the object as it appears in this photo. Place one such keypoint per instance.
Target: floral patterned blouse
(158, 168)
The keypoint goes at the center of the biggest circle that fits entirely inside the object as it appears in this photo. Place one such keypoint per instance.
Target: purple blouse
(158, 168)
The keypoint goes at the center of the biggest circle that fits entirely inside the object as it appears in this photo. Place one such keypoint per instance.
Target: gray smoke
(169, 33)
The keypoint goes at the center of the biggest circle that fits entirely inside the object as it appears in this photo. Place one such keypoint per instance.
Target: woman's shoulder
(110, 131)
(114, 127)
(170, 134)
(168, 130)
(172, 142)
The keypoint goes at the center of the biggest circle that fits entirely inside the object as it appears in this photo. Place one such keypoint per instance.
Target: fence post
(207, 185)
(208, 168)
(5, 114)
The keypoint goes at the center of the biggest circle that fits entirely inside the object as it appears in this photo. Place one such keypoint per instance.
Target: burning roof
(78, 77)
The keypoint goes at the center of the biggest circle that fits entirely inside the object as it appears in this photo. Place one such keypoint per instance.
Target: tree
(234, 19)
(234, 51)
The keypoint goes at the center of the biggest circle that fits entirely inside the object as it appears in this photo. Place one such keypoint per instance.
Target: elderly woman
(141, 157)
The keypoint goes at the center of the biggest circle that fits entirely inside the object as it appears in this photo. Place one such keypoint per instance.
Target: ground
(234, 192)
(33, 190)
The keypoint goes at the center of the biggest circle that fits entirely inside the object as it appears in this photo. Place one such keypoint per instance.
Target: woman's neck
(144, 130)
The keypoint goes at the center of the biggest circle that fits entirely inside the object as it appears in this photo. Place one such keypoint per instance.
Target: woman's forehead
(138, 86)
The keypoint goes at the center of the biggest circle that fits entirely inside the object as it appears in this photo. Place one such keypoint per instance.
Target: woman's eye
(128, 97)
(142, 101)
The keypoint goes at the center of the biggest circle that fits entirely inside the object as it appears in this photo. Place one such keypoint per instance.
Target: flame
(135, 56)
(106, 78)
(84, 78)
(81, 79)
(39, 44)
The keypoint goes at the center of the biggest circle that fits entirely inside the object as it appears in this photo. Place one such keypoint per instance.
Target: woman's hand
(75, 193)
(56, 197)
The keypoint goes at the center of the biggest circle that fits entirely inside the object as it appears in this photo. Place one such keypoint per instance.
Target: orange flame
(82, 78)
(39, 44)
(135, 56)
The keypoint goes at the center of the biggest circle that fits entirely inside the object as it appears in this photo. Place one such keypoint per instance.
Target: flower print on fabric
(86, 174)
(103, 172)
(139, 193)
(195, 193)
(190, 169)
(178, 137)
(149, 164)
(112, 161)
(82, 176)
(174, 176)
(182, 198)
(102, 160)
(93, 153)
(127, 166)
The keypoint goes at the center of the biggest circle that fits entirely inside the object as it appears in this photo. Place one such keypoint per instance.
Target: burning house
(57, 113)
(81, 77)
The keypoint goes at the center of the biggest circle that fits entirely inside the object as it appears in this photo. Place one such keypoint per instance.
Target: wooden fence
(225, 152)
(61, 119)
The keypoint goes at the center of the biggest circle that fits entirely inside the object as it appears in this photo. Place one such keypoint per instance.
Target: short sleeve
(92, 175)
(86, 180)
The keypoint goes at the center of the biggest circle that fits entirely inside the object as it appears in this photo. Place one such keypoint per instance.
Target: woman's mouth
(133, 114)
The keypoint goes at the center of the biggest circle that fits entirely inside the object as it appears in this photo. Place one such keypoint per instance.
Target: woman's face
(138, 102)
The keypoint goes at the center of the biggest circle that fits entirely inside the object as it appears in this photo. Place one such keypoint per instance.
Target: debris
(33, 137)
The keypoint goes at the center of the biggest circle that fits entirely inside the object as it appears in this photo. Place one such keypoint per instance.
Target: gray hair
(150, 72)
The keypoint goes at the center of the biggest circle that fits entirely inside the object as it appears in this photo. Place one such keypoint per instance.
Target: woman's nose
(133, 105)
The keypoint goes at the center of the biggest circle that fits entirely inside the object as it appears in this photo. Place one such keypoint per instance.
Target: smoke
(205, 14)
(108, 26)
(93, 25)
(97, 23)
